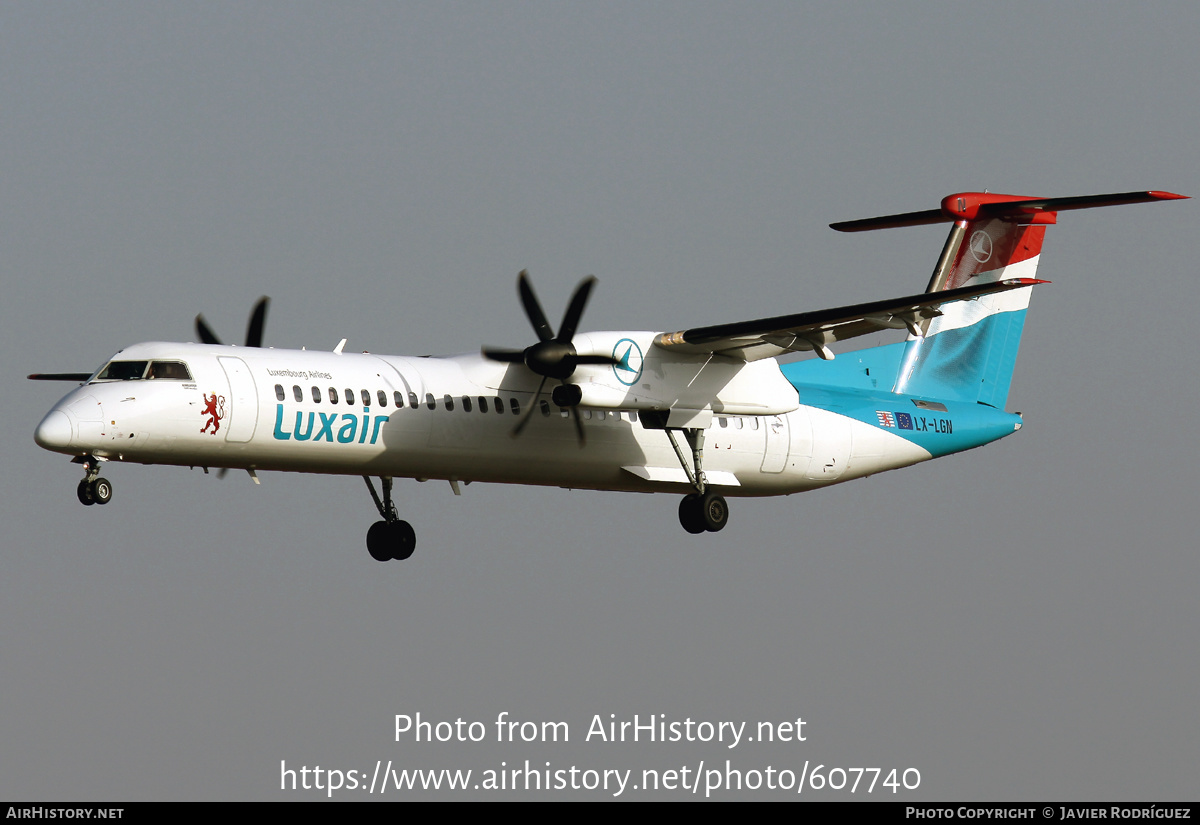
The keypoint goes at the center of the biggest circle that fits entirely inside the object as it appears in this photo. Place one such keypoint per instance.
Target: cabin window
(169, 370)
(600, 414)
(430, 401)
(333, 399)
(279, 394)
(483, 405)
(297, 393)
(724, 422)
(349, 396)
(382, 396)
(398, 398)
(123, 371)
(316, 395)
(365, 395)
(587, 415)
(412, 399)
(499, 405)
(545, 405)
(448, 401)
(737, 423)
(466, 403)
(633, 415)
(754, 423)
(515, 405)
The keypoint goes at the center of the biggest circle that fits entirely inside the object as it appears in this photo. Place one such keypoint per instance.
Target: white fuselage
(452, 418)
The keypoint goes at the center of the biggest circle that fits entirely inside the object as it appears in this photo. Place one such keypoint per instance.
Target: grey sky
(1018, 622)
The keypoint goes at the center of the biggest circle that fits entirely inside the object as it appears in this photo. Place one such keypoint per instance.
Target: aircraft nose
(55, 432)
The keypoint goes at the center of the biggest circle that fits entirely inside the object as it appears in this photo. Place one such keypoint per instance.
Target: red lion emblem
(214, 408)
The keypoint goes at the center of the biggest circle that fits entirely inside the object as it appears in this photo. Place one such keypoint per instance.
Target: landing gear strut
(702, 510)
(93, 489)
(391, 538)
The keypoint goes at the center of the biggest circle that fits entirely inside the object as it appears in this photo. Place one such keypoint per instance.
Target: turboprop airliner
(705, 413)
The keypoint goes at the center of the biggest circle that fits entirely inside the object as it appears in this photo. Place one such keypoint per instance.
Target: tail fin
(968, 353)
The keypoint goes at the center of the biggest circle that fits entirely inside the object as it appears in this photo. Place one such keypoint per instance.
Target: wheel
(714, 511)
(403, 539)
(689, 514)
(379, 543)
(391, 540)
(101, 490)
(84, 491)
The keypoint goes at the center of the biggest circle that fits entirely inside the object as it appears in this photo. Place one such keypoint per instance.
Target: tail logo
(981, 246)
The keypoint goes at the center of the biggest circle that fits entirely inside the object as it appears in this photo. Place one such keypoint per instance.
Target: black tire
(101, 490)
(84, 491)
(715, 512)
(403, 540)
(690, 516)
(379, 543)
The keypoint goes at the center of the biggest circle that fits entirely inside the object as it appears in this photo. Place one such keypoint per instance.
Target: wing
(815, 331)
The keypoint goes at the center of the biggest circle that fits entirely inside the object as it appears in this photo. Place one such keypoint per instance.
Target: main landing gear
(391, 538)
(93, 489)
(703, 510)
(700, 513)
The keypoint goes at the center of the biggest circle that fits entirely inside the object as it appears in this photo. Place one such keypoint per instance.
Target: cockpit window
(148, 370)
(123, 371)
(173, 370)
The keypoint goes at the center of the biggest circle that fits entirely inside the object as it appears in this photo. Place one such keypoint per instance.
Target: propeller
(78, 377)
(553, 356)
(254, 330)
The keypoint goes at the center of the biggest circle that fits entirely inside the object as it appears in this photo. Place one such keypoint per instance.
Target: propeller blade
(79, 377)
(525, 416)
(507, 356)
(258, 319)
(597, 359)
(578, 426)
(206, 335)
(533, 309)
(570, 321)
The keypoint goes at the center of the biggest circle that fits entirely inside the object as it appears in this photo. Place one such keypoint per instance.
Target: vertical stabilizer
(968, 352)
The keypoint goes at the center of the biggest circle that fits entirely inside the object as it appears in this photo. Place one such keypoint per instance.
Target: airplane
(706, 412)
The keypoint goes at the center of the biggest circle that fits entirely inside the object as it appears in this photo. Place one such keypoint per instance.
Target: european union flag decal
(904, 421)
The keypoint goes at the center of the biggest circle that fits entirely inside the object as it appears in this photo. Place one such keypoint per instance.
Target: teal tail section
(968, 363)
(972, 361)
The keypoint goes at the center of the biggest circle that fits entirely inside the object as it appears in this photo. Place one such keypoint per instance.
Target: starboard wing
(815, 331)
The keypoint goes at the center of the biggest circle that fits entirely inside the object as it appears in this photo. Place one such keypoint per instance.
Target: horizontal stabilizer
(977, 205)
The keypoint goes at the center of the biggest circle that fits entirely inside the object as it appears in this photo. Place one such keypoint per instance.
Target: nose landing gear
(391, 538)
(93, 489)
